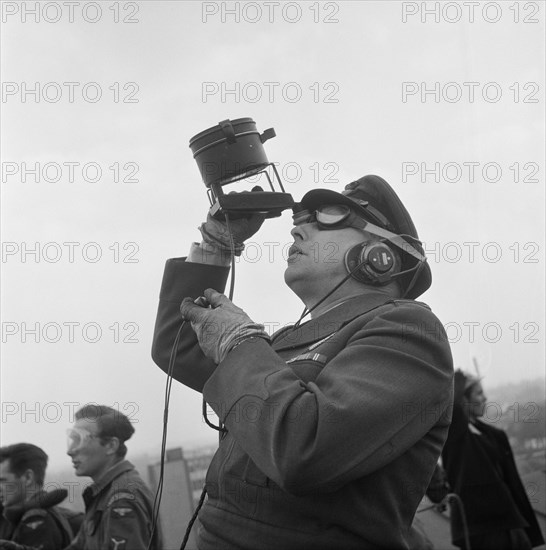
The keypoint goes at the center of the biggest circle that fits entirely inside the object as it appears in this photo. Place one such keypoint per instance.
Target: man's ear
(112, 445)
(28, 477)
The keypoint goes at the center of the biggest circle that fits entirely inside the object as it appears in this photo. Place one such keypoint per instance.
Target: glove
(216, 232)
(220, 328)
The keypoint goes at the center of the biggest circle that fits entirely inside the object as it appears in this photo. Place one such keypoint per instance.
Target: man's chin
(292, 274)
(78, 470)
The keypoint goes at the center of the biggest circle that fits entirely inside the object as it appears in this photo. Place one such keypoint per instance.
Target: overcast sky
(443, 100)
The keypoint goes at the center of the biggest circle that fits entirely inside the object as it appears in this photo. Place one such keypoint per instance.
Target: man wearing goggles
(118, 504)
(331, 427)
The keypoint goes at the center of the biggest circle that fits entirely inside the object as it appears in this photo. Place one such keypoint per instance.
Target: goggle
(76, 438)
(331, 216)
(339, 216)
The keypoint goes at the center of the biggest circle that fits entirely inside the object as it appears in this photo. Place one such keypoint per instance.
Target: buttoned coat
(333, 430)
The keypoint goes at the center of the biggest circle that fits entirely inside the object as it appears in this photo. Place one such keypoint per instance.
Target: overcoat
(481, 469)
(333, 429)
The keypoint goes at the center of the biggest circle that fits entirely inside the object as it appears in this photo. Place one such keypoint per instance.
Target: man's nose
(302, 230)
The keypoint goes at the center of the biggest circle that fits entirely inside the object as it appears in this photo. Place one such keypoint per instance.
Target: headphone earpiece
(372, 263)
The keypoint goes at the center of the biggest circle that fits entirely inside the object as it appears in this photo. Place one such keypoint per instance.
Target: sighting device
(232, 151)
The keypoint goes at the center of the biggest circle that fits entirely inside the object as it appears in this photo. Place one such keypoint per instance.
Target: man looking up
(331, 427)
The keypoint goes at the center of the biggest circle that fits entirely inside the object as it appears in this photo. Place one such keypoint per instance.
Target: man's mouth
(294, 251)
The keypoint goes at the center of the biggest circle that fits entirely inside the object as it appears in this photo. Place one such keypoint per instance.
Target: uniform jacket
(37, 523)
(118, 513)
(492, 493)
(333, 430)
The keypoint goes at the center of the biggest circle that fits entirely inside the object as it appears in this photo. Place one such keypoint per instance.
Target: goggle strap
(374, 213)
(394, 239)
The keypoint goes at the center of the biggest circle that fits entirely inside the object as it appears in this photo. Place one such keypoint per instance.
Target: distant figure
(481, 469)
(118, 505)
(30, 517)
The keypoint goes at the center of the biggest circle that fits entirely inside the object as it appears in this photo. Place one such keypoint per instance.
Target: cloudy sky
(99, 187)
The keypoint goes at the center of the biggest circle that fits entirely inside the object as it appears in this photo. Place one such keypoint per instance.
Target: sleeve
(180, 280)
(376, 398)
(39, 530)
(127, 524)
(459, 418)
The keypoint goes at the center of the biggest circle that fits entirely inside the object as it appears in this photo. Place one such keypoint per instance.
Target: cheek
(327, 256)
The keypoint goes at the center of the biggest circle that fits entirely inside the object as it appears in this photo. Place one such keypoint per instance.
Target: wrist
(244, 333)
(222, 242)
(261, 335)
(209, 253)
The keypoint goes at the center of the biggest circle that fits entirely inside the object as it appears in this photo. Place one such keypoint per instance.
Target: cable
(344, 280)
(416, 268)
(193, 518)
(232, 250)
(218, 428)
(159, 490)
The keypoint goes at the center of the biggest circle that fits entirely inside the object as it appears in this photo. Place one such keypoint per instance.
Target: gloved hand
(216, 232)
(221, 327)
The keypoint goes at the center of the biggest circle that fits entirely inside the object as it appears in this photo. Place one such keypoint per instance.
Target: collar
(41, 499)
(116, 470)
(330, 321)
(336, 303)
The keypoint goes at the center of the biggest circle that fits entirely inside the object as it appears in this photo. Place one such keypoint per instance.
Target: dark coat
(491, 490)
(37, 523)
(333, 430)
(118, 513)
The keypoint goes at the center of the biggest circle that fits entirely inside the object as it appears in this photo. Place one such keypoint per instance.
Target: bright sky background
(350, 62)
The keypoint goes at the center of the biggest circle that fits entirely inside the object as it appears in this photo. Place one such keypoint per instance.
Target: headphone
(377, 263)
(372, 263)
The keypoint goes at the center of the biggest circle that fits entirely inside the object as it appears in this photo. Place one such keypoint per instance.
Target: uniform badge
(122, 495)
(34, 524)
(122, 512)
(117, 544)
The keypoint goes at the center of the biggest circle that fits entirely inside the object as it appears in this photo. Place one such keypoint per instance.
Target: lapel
(328, 323)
